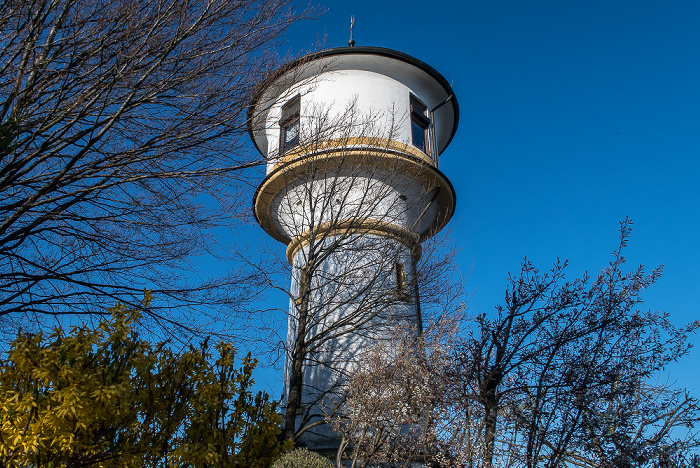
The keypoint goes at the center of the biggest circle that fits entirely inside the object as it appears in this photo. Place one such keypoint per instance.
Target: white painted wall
(342, 104)
(377, 194)
(353, 95)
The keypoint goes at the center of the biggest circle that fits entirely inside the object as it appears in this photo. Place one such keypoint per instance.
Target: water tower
(351, 137)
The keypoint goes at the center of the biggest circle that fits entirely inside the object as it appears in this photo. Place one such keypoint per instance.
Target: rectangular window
(419, 125)
(401, 291)
(304, 285)
(289, 125)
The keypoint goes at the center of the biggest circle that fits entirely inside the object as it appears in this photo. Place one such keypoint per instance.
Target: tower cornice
(410, 165)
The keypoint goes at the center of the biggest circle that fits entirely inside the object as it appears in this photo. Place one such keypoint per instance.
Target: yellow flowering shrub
(103, 397)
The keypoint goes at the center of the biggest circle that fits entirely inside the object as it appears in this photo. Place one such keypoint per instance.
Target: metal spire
(351, 42)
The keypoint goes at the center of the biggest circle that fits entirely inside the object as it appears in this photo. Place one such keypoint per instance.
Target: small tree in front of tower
(388, 415)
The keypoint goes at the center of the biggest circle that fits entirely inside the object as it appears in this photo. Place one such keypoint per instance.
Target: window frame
(419, 116)
(291, 115)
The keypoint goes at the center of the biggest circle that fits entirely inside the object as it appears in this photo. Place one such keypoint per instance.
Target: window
(304, 286)
(289, 125)
(401, 291)
(419, 124)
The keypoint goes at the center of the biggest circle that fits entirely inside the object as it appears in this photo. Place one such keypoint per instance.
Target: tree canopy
(564, 373)
(104, 397)
(122, 132)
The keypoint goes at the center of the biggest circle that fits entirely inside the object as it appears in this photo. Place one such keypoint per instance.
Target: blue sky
(574, 114)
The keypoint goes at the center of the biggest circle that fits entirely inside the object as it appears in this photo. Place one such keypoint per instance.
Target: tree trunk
(490, 422)
(296, 374)
(294, 396)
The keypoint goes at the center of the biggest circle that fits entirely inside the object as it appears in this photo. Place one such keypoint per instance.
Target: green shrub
(302, 458)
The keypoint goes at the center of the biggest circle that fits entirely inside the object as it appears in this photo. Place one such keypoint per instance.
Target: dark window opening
(419, 125)
(304, 287)
(289, 125)
(401, 290)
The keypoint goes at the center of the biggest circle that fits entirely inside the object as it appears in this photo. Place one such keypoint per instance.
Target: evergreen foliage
(302, 458)
(104, 397)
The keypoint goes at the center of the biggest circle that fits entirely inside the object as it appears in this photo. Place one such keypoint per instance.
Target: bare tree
(389, 412)
(647, 424)
(120, 145)
(565, 374)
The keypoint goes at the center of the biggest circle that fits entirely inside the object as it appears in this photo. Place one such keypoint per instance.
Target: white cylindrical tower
(351, 137)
